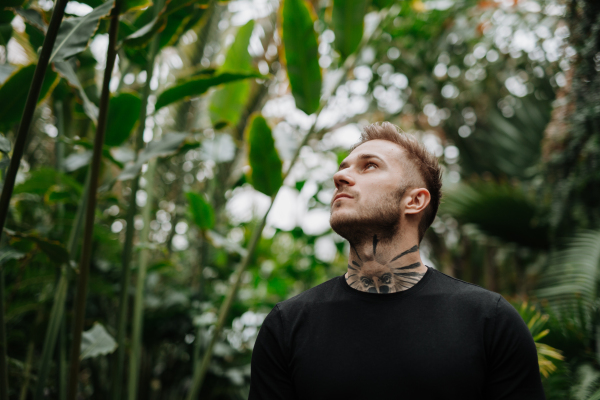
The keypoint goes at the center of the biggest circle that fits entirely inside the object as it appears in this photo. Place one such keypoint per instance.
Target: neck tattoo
(374, 275)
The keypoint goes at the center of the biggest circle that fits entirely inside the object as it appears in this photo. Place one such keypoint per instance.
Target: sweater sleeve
(270, 377)
(513, 370)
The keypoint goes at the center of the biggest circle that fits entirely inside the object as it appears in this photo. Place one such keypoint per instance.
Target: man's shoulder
(455, 289)
(319, 294)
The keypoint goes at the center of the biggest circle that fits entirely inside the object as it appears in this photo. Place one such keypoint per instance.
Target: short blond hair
(427, 166)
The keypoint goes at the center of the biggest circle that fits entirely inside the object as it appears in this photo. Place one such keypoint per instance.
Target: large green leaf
(301, 54)
(200, 210)
(96, 342)
(265, 165)
(227, 103)
(198, 85)
(166, 145)
(123, 114)
(74, 34)
(14, 93)
(347, 22)
(65, 69)
(501, 210)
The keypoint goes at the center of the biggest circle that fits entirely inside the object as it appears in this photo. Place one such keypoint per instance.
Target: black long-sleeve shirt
(441, 339)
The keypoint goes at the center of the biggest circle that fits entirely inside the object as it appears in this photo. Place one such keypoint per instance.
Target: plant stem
(200, 370)
(86, 253)
(15, 161)
(3, 365)
(117, 380)
(138, 311)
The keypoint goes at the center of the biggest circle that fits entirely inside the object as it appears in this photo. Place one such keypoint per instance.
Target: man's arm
(269, 376)
(513, 371)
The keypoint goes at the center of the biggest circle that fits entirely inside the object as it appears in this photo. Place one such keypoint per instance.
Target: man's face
(369, 189)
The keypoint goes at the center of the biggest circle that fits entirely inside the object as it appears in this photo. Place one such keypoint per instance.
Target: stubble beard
(380, 217)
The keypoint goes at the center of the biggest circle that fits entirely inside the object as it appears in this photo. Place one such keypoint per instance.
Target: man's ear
(416, 200)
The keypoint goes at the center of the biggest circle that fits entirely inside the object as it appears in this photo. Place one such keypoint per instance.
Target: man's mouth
(341, 196)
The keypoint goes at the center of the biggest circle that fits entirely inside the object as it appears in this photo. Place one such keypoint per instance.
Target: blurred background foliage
(225, 123)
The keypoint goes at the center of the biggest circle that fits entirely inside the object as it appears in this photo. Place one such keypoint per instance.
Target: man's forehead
(384, 149)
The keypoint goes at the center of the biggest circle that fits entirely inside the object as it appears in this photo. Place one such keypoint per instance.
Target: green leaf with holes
(200, 210)
(301, 54)
(347, 22)
(123, 114)
(265, 165)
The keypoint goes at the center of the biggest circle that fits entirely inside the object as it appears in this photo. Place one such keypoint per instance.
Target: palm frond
(501, 210)
(569, 284)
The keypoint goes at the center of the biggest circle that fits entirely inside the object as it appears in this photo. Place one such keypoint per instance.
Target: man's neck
(385, 266)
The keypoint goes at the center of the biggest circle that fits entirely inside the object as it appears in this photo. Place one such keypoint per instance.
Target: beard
(381, 217)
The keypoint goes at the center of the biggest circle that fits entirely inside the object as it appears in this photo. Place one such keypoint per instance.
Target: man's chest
(370, 356)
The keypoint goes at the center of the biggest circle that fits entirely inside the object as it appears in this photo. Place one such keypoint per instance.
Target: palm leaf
(570, 282)
(501, 210)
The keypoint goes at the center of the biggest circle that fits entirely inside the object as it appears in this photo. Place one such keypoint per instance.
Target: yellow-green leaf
(265, 165)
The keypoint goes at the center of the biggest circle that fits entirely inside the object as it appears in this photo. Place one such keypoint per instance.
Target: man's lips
(340, 196)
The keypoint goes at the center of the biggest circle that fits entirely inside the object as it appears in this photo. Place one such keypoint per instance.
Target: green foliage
(75, 33)
(228, 103)
(201, 211)
(501, 210)
(65, 69)
(166, 145)
(123, 114)
(348, 26)
(198, 85)
(55, 251)
(301, 54)
(265, 164)
(570, 283)
(14, 92)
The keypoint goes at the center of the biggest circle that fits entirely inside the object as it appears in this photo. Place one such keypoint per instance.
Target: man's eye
(370, 165)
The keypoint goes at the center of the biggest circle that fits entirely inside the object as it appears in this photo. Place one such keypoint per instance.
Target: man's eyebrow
(364, 156)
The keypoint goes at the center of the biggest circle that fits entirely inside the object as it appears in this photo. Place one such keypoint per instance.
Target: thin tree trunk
(119, 359)
(84, 266)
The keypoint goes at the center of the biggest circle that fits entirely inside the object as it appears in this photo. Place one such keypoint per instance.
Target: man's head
(389, 178)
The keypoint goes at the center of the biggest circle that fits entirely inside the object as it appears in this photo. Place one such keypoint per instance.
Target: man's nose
(343, 178)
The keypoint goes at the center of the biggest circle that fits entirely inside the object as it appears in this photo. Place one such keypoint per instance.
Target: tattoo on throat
(374, 275)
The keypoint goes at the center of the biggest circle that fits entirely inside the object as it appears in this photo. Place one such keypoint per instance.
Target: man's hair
(425, 164)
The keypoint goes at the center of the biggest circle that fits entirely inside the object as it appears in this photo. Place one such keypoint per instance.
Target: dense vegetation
(166, 174)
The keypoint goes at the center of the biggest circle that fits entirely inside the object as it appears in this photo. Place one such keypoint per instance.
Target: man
(391, 327)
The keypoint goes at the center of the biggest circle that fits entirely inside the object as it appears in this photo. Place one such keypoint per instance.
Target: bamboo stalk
(119, 359)
(86, 253)
(15, 161)
(138, 310)
(200, 370)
